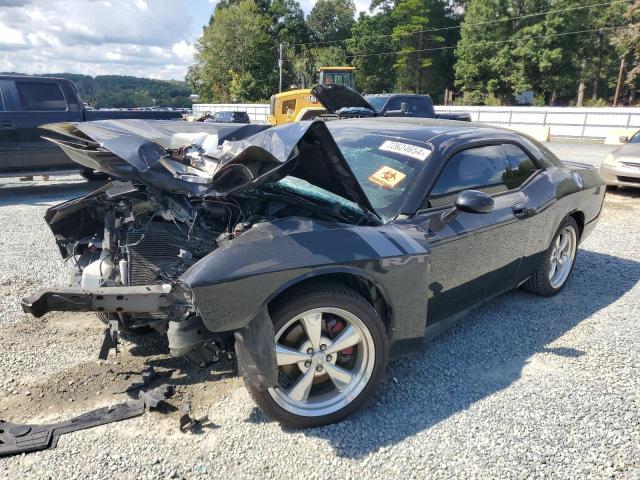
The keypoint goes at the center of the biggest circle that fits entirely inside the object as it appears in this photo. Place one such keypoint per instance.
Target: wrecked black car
(314, 252)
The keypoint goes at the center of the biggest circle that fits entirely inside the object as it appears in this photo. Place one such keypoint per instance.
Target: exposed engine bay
(124, 235)
(163, 247)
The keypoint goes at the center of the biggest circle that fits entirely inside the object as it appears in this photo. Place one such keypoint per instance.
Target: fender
(230, 286)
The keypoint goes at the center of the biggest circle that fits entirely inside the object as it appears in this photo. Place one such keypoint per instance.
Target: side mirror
(469, 201)
(474, 201)
(623, 139)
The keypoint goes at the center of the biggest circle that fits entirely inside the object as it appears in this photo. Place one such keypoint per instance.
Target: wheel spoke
(287, 356)
(313, 327)
(300, 390)
(564, 241)
(347, 338)
(340, 377)
(552, 271)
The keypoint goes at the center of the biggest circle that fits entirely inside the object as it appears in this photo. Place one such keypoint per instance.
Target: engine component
(97, 272)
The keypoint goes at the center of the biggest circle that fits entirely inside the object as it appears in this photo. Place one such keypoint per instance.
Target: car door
(10, 155)
(41, 102)
(474, 256)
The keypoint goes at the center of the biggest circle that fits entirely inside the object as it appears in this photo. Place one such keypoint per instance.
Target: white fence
(258, 112)
(562, 121)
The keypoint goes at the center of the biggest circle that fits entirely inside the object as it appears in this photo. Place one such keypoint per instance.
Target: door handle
(520, 210)
(7, 124)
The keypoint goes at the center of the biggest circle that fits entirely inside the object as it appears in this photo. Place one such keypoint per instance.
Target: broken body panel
(200, 256)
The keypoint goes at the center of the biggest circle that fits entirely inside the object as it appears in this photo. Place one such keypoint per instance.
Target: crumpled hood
(249, 155)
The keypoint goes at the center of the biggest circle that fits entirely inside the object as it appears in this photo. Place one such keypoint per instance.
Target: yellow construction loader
(300, 104)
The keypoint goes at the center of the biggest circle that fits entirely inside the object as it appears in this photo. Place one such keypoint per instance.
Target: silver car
(621, 168)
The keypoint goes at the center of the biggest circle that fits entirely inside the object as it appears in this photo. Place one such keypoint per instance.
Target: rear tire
(557, 263)
(326, 375)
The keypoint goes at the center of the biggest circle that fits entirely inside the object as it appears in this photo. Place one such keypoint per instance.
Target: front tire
(558, 261)
(332, 351)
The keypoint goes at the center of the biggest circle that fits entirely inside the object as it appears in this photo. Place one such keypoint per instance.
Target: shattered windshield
(384, 166)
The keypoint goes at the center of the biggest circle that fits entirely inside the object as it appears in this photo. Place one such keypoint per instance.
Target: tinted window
(635, 138)
(484, 168)
(41, 97)
(395, 103)
(288, 107)
(419, 106)
(522, 167)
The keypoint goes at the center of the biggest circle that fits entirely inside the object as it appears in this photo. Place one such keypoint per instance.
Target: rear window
(41, 97)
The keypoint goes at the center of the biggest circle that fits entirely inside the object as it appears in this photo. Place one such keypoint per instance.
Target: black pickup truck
(26, 103)
(344, 102)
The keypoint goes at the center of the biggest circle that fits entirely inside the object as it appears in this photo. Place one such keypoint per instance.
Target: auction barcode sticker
(406, 149)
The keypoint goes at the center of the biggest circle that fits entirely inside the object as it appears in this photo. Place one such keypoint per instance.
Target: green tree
(627, 41)
(290, 29)
(236, 56)
(369, 46)
(479, 64)
(528, 51)
(331, 20)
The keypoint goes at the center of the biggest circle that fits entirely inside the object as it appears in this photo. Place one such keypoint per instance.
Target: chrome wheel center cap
(318, 359)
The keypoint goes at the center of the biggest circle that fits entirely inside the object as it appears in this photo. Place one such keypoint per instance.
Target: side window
(482, 168)
(41, 97)
(395, 103)
(288, 107)
(521, 166)
(1, 101)
(418, 106)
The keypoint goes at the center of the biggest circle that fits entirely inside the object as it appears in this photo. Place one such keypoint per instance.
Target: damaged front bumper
(141, 299)
(187, 333)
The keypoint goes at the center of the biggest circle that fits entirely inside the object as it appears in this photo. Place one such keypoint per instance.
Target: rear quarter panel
(556, 193)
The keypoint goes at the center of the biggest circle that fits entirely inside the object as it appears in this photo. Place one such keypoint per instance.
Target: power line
(449, 47)
(456, 27)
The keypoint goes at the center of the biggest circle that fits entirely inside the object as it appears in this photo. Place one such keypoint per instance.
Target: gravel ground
(523, 387)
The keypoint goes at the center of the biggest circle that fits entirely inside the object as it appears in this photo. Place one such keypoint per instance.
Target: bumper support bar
(141, 299)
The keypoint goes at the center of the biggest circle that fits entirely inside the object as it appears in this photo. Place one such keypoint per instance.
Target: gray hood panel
(252, 155)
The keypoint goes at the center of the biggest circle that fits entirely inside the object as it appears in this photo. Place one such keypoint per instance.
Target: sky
(143, 38)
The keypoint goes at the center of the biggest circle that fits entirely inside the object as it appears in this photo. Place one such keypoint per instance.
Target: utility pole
(280, 66)
(619, 84)
(596, 79)
(581, 86)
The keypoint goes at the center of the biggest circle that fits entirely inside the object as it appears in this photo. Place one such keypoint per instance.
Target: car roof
(421, 129)
(32, 77)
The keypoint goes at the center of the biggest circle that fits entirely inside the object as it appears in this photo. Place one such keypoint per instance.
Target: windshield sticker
(387, 177)
(406, 149)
